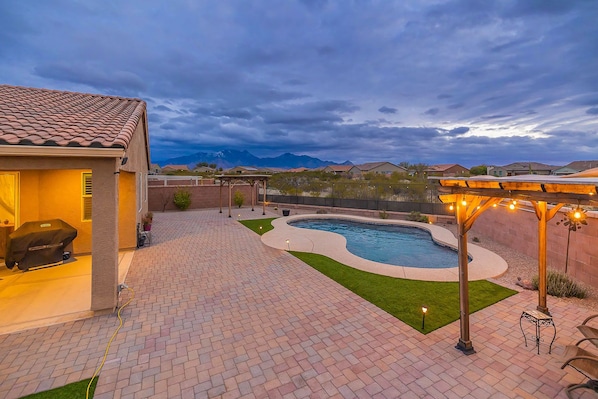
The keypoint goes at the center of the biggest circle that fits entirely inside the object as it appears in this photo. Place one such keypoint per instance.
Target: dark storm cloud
(475, 81)
(387, 110)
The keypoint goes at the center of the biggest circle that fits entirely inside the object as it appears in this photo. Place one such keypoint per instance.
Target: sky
(420, 81)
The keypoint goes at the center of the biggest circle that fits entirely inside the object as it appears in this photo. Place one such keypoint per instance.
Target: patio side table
(539, 319)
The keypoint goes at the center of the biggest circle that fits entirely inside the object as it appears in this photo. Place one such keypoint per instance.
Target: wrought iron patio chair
(584, 362)
(590, 333)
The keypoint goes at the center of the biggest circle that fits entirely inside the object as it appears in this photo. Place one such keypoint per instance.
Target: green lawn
(254, 224)
(76, 390)
(399, 297)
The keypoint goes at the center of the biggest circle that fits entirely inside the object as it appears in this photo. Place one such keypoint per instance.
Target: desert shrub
(383, 215)
(321, 211)
(416, 216)
(182, 199)
(561, 285)
(238, 198)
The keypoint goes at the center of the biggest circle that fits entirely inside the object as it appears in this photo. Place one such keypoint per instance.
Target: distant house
(240, 170)
(204, 169)
(446, 170)
(575, 167)
(338, 169)
(81, 158)
(155, 169)
(175, 168)
(385, 168)
(521, 168)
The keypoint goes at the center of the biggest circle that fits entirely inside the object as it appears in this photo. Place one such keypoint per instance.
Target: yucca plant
(561, 285)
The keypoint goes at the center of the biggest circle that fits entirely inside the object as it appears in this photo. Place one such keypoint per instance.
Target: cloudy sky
(431, 81)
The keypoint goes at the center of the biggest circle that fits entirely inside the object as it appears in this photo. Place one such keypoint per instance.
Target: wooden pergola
(231, 180)
(471, 196)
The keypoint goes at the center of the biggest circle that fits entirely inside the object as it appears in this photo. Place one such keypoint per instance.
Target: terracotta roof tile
(30, 116)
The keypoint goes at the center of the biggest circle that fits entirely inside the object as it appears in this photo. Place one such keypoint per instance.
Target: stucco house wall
(50, 138)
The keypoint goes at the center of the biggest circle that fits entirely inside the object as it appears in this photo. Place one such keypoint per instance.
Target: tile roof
(42, 117)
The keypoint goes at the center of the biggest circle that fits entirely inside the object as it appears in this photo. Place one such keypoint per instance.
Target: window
(86, 188)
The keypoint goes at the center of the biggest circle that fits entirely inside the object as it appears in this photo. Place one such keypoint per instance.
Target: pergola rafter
(474, 195)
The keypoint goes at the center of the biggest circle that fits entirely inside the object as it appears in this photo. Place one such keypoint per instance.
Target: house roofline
(47, 151)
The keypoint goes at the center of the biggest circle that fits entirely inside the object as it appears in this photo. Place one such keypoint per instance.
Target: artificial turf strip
(75, 390)
(404, 298)
(254, 224)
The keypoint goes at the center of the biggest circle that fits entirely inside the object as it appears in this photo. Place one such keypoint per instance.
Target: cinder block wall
(161, 198)
(518, 229)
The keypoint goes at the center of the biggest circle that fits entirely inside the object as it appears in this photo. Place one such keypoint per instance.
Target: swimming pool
(484, 264)
(390, 244)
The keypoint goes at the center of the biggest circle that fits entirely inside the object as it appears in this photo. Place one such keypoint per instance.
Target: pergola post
(541, 206)
(230, 197)
(543, 216)
(252, 191)
(221, 183)
(264, 201)
(465, 345)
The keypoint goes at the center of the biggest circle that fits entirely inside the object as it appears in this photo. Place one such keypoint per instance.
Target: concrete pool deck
(484, 264)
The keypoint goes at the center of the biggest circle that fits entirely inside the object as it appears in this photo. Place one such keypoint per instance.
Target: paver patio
(217, 314)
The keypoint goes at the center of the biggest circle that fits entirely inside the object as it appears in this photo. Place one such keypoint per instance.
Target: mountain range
(227, 159)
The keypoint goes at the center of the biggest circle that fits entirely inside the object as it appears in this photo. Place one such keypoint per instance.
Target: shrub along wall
(160, 198)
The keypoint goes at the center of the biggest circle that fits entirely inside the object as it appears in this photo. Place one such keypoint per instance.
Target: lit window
(86, 196)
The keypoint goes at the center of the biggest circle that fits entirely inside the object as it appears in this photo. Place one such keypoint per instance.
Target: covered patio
(471, 196)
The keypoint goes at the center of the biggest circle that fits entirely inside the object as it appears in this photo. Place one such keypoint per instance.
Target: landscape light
(289, 244)
(424, 311)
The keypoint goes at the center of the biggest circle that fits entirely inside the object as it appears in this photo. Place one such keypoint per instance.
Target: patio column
(104, 246)
(464, 344)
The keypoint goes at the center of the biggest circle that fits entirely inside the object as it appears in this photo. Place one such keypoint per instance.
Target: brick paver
(217, 314)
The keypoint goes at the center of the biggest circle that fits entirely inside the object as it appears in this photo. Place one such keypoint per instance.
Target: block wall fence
(518, 230)
(160, 198)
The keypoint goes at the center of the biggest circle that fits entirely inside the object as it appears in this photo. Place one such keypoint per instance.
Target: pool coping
(484, 264)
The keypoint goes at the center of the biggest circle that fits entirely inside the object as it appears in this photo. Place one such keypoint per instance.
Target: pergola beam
(231, 180)
(468, 195)
(526, 195)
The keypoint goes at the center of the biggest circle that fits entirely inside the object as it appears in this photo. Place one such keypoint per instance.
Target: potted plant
(147, 221)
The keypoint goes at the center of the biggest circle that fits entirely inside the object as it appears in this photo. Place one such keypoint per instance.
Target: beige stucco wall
(138, 162)
(208, 196)
(127, 210)
(519, 230)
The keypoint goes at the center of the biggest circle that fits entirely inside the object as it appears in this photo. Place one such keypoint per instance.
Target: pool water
(391, 244)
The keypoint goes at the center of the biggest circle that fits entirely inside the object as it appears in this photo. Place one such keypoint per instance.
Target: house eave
(50, 151)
